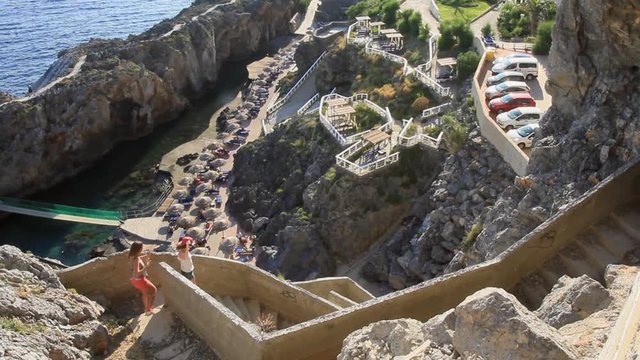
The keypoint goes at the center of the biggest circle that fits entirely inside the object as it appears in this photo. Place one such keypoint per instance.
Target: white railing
(435, 110)
(332, 129)
(278, 104)
(361, 170)
(431, 82)
(393, 57)
(418, 137)
(308, 104)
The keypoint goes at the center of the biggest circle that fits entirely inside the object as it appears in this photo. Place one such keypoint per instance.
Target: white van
(527, 66)
(519, 117)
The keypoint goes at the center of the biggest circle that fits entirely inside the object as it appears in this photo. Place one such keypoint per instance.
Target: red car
(511, 101)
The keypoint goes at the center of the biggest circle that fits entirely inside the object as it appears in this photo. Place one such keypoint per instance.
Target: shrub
(471, 237)
(420, 104)
(409, 23)
(455, 134)
(357, 9)
(513, 21)
(543, 40)
(432, 130)
(389, 11)
(425, 32)
(487, 30)
(467, 64)
(412, 130)
(366, 118)
(470, 101)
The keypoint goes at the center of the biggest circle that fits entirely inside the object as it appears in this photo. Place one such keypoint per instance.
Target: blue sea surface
(32, 32)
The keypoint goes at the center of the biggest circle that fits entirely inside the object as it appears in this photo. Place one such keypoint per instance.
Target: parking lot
(537, 85)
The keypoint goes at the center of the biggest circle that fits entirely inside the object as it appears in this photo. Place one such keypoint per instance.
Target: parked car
(523, 136)
(489, 41)
(519, 117)
(505, 76)
(505, 88)
(527, 66)
(511, 56)
(511, 101)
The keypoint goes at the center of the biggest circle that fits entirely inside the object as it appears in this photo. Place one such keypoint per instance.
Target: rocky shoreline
(127, 87)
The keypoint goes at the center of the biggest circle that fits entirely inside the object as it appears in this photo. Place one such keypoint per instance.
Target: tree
(543, 38)
(455, 33)
(513, 21)
(539, 10)
(389, 11)
(425, 32)
(487, 30)
(409, 23)
(455, 133)
(357, 9)
(467, 64)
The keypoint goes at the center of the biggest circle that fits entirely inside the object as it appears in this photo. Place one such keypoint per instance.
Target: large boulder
(572, 299)
(492, 324)
(383, 340)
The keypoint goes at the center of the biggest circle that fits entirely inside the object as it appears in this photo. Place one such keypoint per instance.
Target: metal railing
(278, 104)
(418, 137)
(308, 104)
(151, 208)
(393, 57)
(435, 110)
(361, 170)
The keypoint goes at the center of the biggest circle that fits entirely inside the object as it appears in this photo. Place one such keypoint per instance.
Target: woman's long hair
(135, 249)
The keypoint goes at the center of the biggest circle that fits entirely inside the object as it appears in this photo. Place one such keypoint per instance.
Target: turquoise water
(32, 32)
(121, 180)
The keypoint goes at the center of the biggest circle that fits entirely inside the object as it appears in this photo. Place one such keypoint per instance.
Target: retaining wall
(509, 151)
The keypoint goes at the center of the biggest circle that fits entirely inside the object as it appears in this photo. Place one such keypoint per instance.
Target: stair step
(574, 260)
(243, 308)
(551, 271)
(614, 239)
(285, 323)
(339, 300)
(253, 306)
(629, 222)
(594, 251)
(228, 302)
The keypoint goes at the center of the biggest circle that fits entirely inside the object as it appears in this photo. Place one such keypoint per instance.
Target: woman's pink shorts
(143, 284)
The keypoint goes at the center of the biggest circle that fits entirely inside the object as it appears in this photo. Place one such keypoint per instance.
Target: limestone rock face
(383, 340)
(40, 318)
(593, 126)
(492, 324)
(572, 299)
(125, 88)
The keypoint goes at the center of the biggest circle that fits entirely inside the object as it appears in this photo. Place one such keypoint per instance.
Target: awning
(376, 136)
(337, 102)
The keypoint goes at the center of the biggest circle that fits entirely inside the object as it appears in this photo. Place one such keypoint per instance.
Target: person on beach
(184, 257)
(138, 264)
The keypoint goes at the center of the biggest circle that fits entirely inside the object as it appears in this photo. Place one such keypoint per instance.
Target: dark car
(489, 41)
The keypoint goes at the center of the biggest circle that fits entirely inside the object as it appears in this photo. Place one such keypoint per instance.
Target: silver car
(506, 88)
(505, 76)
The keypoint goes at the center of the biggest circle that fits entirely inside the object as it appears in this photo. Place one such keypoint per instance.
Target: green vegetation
(330, 175)
(455, 133)
(432, 130)
(464, 10)
(455, 35)
(385, 9)
(302, 5)
(420, 104)
(467, 64)
(16, 325)
(367, 118)
(521, 20)
(471, 237)
(412, 130)
(487, 30)
(543, 39)
(470, 101)
(409, 23)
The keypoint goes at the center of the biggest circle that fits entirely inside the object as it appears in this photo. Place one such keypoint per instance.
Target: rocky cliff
(126, 87)
(39, 318)
(311, 216)
(573, 322)
(592, 128)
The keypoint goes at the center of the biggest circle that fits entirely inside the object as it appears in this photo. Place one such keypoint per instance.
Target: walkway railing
(418, 137)
(151, 208)
(393, 57)
(278, 104)
(436, 110)
(364, 169)
(308, 104)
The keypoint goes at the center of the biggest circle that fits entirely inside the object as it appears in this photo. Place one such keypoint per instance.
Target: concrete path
(299, 98)
(422, 7)
(76, 69)
(309, 16)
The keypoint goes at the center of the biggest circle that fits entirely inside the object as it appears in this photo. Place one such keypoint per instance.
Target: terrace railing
(435, 110)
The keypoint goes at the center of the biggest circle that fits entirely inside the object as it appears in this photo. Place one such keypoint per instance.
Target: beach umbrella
(176, 209)
(248, 105)
(196, 168)
(196, 232)
(214, 145)
(262, 75)
(211, 213)
(203, 202)
(180, 194)
(221, 224)
(241, 117)
(222, 135)
(277, 57)
(260, 82)
(206, 156)
(185, 180)
(227, 245)
(203, 187)
(200, 251)
(232, 127)
(210, 175)
(186, 221)
(251, 97)
(219, 162)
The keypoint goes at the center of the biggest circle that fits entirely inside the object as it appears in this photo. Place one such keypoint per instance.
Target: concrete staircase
(614, 240)
(254, 312)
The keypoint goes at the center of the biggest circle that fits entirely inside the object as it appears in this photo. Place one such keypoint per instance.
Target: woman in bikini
(138, 265)
(184, 257)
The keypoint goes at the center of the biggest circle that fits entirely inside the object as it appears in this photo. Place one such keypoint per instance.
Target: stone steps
(614, 240)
